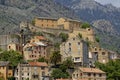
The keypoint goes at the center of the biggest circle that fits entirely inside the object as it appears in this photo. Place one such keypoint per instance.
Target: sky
(113, 2)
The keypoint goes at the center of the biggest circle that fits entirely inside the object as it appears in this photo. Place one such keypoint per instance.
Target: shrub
(85, 25)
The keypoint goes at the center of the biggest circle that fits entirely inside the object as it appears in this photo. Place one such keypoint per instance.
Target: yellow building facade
(87, 34)
(14, 46)
(61, 23)
(46, 22)
(5, 72)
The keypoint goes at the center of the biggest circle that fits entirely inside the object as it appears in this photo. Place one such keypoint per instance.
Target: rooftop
(63, 79)
(37, 64)
(49, 18)
(4, 63)
(91, 70)
(40, 37)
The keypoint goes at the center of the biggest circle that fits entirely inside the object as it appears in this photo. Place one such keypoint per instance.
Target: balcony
(77, 60)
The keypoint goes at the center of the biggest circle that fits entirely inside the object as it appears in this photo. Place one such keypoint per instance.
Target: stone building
(33, 51)
(101, 55)
(88, 74)
(14, 46)
(7, 39)
(75, 48)
(32, 71)
(86, 34)
(61, 23)
(5, 70)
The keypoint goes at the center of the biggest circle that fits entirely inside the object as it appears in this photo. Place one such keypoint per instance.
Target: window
(35, 52)
(43, 73)
(69, 44)
(89, 74)
(77, 75)
(35, 68)
(42, 67)
(95, 49)
(69, 49)
(94, 74)
(28, 69)
(80, 74)
(73, 38)
(39, 55)
(103, 53)
(22, 74)
(9, 74)
(78, 43)
(44, 48)
(35, 76)
(28, 74)
(88, 29)
(73, 75)
(77, 58)
(100, 75)
(9, 47)
(22, 68)
(44, 53)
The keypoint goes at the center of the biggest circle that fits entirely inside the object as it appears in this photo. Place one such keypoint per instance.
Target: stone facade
(33, 51)
(101, 55)
(87, 34)
(7, 39)
(75, 48)
(5, 70)
(61, 23)
(32, 71)
(14, 46)
(88, 74)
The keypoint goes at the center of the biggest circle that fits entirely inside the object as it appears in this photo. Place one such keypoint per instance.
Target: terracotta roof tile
(83, 79)
(37, 64)
(91, 70)
(63, 79)
(40, 37)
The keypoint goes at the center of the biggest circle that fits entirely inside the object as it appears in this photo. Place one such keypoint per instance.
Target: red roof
(37, 64)
(91, 70)
(63, 79)
(40, 37)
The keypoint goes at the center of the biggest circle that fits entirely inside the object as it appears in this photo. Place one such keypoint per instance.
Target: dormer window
(73, 38)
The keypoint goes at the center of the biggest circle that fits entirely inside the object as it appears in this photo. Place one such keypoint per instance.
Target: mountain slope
(12, 12)
(104, 18)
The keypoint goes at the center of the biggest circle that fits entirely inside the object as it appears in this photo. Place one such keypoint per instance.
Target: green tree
(97, 39)
(42, 59)
(33, 22)
(13, 57)
(57, 73)
(85, 25)
(112, 68)
(1, 78)
(79, 35)
(55, 57)
(68, 63)
(64, 36)
(11, 78)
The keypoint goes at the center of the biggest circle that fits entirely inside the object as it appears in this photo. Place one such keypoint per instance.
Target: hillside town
(53, 49)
